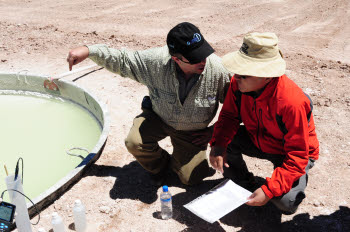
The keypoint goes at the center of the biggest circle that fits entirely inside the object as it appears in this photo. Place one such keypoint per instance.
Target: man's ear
(174, 58)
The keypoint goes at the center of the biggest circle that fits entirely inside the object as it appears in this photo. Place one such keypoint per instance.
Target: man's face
(189, 68)
(250, 83)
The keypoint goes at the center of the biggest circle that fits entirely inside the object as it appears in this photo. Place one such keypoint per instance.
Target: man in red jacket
(277, 124)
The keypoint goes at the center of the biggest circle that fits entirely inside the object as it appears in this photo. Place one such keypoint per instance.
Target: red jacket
(279, 121)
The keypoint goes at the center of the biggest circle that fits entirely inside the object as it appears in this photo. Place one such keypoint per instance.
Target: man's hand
(258, 198)
(203, 137)
(77, 55)
(217, 158)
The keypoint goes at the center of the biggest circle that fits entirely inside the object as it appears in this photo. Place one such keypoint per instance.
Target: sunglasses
(187, 62)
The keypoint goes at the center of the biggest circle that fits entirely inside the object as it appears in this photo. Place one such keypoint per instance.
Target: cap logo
(244, 48)
(196, 38)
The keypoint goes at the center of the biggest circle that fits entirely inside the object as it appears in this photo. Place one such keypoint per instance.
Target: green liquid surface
(41, 130)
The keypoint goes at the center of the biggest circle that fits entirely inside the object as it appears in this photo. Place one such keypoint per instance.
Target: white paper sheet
(219, 201)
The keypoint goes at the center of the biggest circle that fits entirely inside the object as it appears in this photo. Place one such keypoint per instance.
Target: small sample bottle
(57, 223)
(166, 204)
(79, 216)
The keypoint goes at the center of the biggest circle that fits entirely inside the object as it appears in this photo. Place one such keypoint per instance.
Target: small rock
(327, 103)
(3, 60)
(317, 203)
(320, 102)
(57, 207)
(323, 66)
(105, 209)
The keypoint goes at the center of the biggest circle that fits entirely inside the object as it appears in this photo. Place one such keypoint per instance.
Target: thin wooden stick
(7, 173)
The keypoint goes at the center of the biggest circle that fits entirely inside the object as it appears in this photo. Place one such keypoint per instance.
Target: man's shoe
(250, 185)
(158, 179)
(244, 179)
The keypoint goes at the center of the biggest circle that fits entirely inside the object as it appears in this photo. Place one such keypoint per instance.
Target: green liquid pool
(41, 130)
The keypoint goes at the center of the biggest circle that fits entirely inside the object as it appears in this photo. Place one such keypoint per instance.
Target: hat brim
(239, 63)
(200, 53)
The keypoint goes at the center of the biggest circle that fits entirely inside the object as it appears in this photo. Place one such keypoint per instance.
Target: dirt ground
(315, 39)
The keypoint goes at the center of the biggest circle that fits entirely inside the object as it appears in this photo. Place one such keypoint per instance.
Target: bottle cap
(165, 188)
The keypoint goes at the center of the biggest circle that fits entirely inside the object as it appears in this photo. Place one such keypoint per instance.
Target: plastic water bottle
(166, 204)
(79, 216)
(57, 223)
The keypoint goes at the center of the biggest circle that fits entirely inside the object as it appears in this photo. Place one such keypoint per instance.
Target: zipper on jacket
(257, 133)
(262, 124)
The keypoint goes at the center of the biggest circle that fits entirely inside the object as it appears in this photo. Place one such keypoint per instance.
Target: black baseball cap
(186, 39)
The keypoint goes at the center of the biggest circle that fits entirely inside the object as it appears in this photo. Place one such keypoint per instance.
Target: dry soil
(36, 35)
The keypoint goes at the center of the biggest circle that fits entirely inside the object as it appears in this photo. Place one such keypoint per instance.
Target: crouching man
(186, 83)
(277, 125)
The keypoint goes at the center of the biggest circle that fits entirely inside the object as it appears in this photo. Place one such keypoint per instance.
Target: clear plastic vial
(79, 216)
(57, 223)
(166, 204)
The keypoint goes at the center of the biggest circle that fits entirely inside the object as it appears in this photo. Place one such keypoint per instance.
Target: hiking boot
(249, 184)
(243, 178)
(211, 172)
(159, 178)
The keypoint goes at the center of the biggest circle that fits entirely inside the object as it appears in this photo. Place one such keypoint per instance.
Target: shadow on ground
(268, 219)
(133, 182)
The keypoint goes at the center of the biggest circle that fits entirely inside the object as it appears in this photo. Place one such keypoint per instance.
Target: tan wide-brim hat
(259, 56)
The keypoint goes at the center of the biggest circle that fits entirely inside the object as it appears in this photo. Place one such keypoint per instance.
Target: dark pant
(188, 160)
(239, 173)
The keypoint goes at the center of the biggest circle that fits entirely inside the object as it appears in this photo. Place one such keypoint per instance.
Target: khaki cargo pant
(188, 160)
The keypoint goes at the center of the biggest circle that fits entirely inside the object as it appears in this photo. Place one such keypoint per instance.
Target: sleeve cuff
(215, 142)
(267, 191)
(93, 50)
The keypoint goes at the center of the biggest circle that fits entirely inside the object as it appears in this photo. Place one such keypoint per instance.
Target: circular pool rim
(70, 91)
